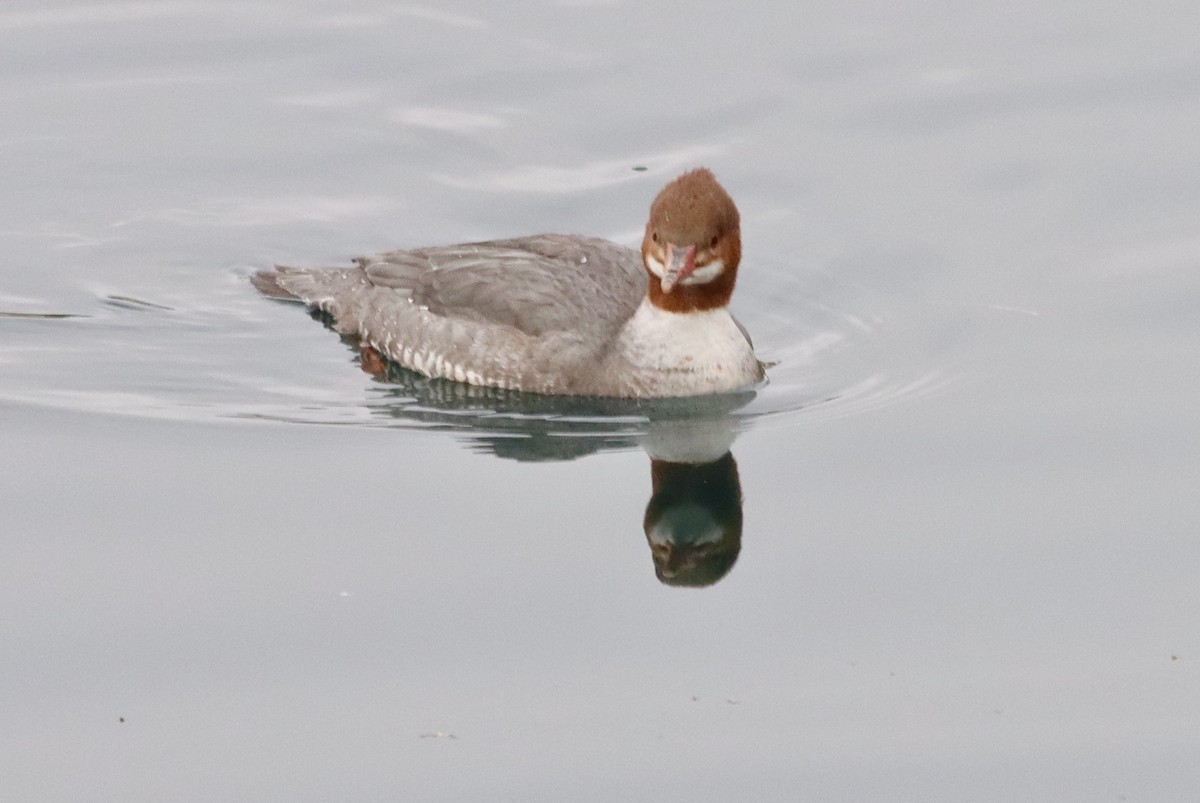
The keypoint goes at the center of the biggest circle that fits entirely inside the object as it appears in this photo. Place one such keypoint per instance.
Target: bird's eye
(654, 236)
(715, 238)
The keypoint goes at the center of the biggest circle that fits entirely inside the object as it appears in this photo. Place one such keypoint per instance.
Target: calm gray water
(233, 566)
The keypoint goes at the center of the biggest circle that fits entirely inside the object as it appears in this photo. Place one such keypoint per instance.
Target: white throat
(700, 275)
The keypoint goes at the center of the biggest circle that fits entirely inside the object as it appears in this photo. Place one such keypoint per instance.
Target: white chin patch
(655, 266)
(706, 274)
(699, 276)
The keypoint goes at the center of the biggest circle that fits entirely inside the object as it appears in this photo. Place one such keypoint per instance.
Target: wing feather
(535, 284)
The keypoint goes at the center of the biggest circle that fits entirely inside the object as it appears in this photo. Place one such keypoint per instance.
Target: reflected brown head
(693, 521)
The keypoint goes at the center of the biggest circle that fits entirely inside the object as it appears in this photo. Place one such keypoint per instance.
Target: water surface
(235, 566)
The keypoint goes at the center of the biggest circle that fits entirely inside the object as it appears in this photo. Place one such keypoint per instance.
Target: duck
(555, 314)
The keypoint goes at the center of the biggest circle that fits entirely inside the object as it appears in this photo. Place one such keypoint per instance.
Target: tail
(267, 283)
(340, 293)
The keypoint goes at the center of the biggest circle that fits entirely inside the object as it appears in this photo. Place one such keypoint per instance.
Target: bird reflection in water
(693, 522)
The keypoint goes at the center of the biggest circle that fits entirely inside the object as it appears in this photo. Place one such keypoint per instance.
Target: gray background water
(234, 567)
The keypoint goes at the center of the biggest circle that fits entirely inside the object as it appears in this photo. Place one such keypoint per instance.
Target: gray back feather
(535, 284)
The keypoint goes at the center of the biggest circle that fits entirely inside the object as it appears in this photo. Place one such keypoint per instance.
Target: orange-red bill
(680, 263)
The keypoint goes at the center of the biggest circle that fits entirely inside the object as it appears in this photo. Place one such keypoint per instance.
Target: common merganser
(556, 314)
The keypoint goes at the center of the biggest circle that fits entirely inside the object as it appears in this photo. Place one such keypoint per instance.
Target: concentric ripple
(222, 353)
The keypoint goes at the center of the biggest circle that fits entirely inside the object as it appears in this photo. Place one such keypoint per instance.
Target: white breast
(687, 353)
